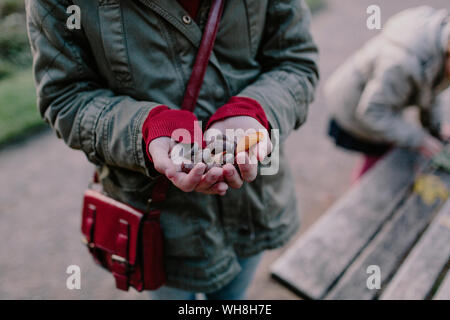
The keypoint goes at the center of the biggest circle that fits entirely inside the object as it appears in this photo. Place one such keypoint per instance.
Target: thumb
(159, 151)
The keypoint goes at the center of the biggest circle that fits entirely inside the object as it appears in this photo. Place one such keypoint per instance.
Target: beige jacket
(402, 66)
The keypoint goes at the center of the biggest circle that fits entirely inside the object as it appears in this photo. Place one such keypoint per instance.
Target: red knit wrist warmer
(162, 122)
(240, 106)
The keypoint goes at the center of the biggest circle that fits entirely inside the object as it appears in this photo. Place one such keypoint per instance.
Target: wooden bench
(382, 222)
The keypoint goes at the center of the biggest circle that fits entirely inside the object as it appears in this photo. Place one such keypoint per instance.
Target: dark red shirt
(191, 6)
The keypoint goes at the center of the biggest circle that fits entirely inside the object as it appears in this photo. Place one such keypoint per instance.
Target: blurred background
(42, 181)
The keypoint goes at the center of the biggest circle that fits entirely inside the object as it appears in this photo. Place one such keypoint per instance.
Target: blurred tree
(8, 7)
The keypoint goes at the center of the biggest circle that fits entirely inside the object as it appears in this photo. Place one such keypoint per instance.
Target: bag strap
(203, 56)
(119, 268)
(196, 80)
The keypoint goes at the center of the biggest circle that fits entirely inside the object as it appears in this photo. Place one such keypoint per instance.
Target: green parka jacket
(96, 85)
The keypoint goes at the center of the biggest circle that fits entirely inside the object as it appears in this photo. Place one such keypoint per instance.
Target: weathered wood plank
(418, 274)
(444, 290)
(317, 260)
(389, 247)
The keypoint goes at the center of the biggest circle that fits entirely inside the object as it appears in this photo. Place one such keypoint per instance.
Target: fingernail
(229, 173)
(200, 167)
(241, 158)
(169, 174)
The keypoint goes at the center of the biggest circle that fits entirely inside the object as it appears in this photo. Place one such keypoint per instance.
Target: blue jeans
(235, 290)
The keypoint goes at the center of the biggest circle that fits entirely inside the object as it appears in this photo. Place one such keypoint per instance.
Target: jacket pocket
(182, 234)
(114, 42)
(278, 195)
(127, 186)
(190, 246)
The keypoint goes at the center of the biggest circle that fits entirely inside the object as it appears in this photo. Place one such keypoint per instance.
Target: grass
(14, 47)
(6, 68)
(18, 112)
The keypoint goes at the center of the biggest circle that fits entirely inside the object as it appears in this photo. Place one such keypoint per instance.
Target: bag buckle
(120, 272)
(88, 244)
(119, 259)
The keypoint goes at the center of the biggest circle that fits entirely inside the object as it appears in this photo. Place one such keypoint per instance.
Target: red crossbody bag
(122, 239)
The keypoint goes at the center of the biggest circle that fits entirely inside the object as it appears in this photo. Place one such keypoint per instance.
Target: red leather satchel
(129, 242)
(125, 241)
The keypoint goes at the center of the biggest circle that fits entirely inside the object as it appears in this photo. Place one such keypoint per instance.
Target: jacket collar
(173, 12)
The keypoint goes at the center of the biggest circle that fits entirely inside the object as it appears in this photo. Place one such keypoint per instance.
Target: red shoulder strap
(203, 55)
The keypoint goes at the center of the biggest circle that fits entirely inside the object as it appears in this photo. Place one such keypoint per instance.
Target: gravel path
(39, 238)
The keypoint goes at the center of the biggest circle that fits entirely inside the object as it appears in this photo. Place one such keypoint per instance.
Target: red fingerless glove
(162, 122)
(240, 106)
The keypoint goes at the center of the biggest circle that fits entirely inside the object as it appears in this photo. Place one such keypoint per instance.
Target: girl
(113, 89)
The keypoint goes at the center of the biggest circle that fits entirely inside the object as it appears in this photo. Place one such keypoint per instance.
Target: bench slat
(444, 290)
(389, 247)
(317, 260)
(418, 274)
